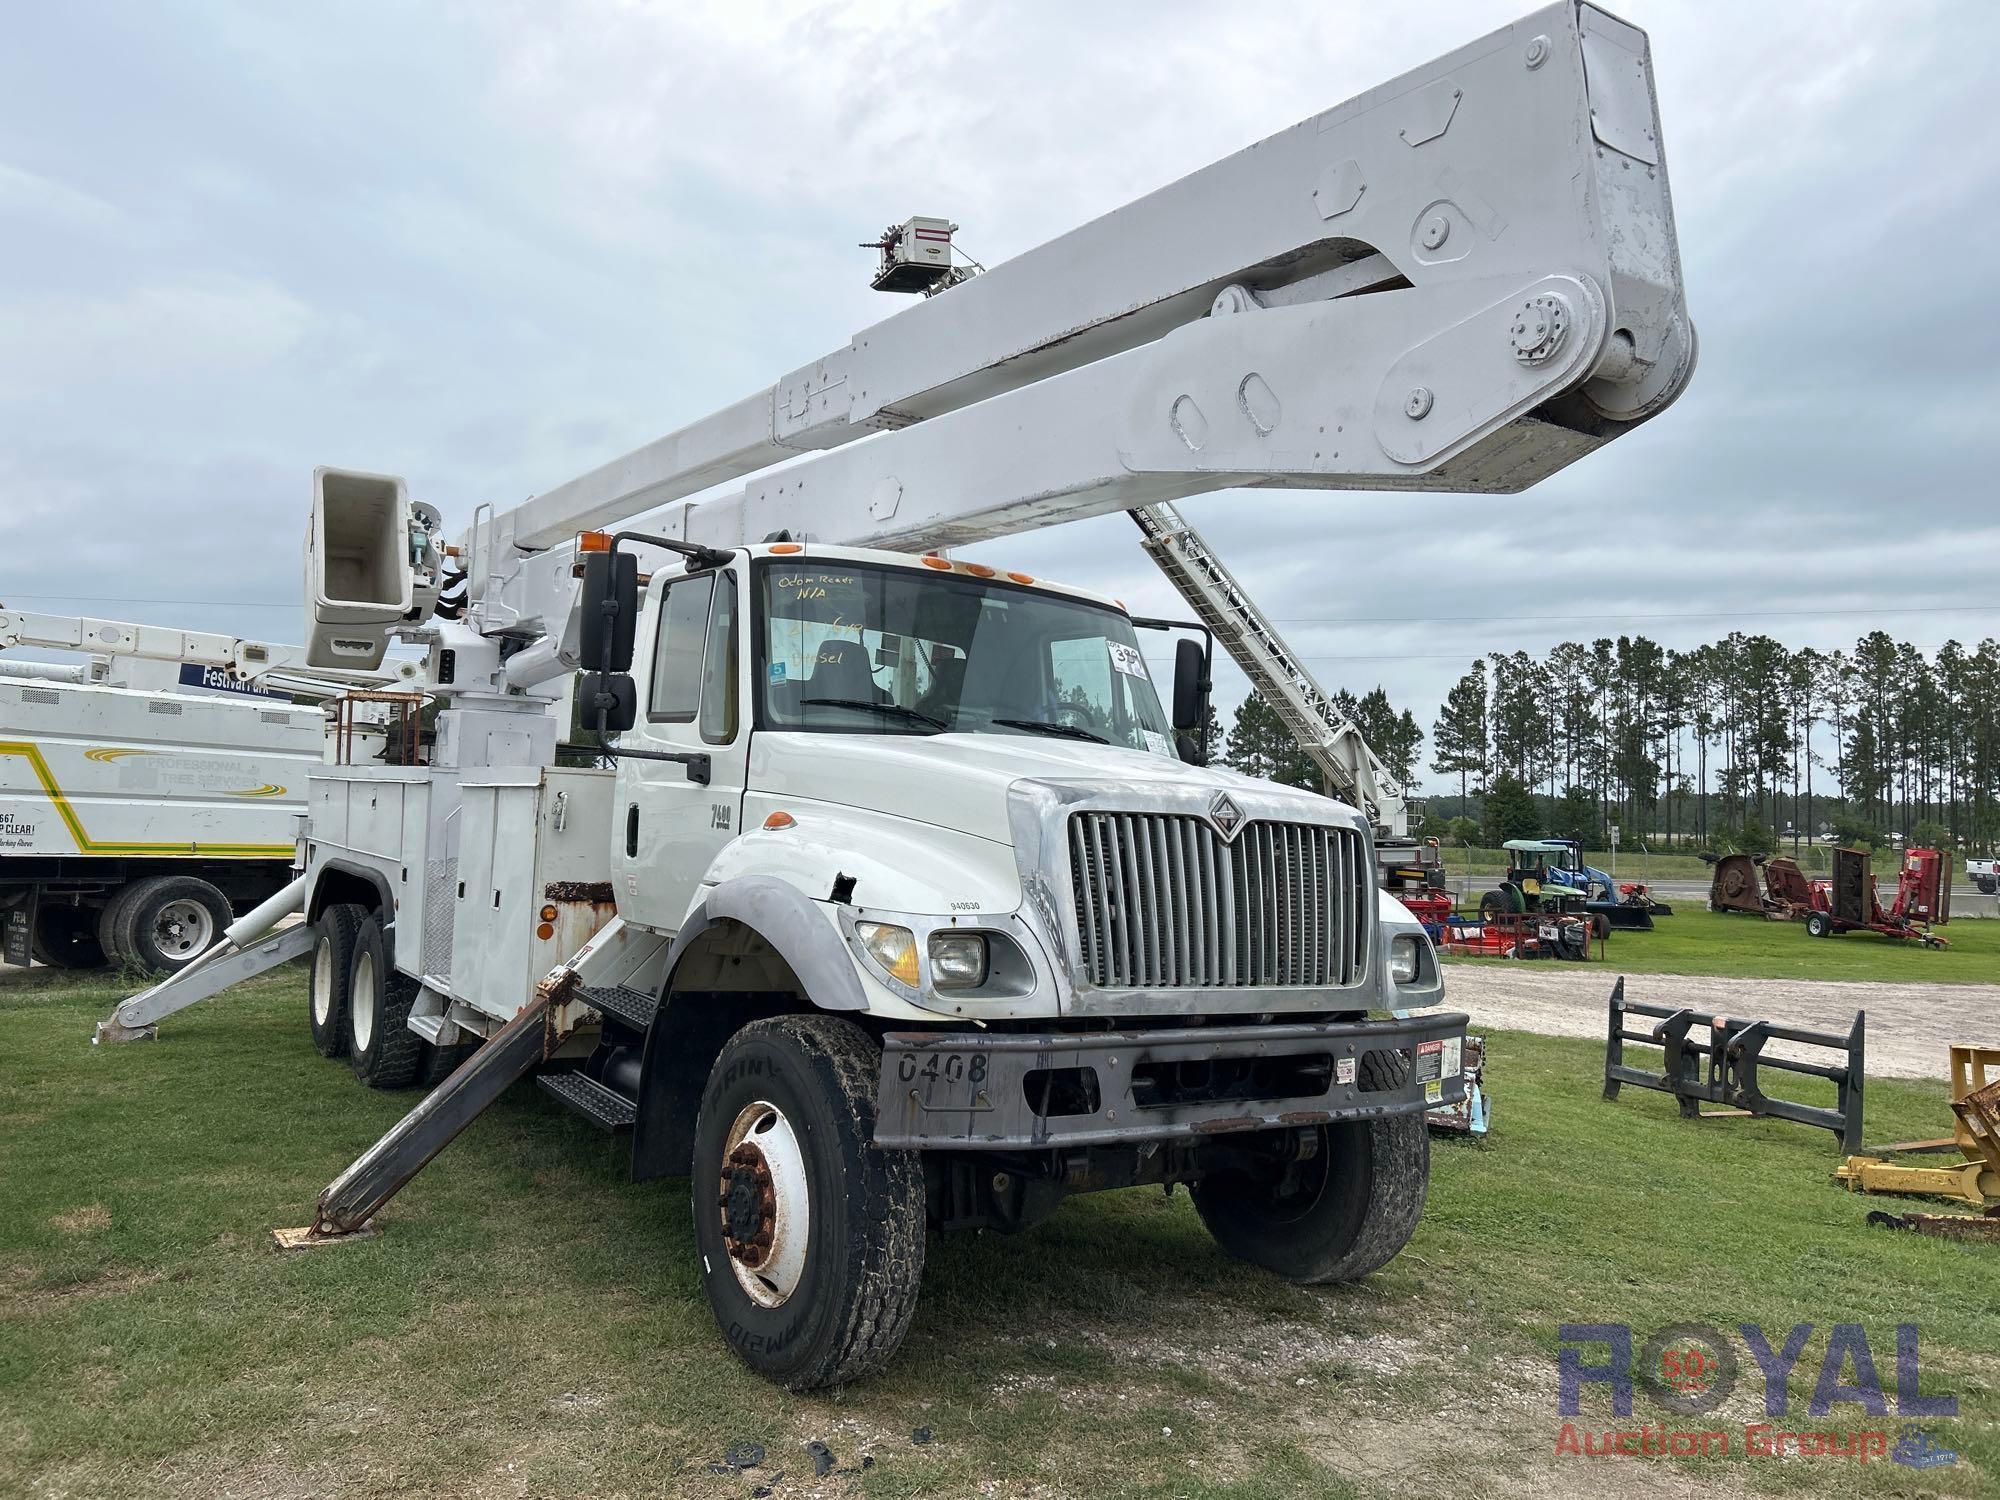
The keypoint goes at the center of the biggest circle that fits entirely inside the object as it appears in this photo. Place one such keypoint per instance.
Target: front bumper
(988, 1091)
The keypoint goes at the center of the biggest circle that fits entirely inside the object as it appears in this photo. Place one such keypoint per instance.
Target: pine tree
(1510, 811)
(1260, 745)
(1459, 735)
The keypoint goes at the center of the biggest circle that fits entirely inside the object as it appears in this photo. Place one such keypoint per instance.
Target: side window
(677, 656)
(718, 673)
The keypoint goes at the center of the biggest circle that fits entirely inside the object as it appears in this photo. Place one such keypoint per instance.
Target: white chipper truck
(152, 791)
(895, 905)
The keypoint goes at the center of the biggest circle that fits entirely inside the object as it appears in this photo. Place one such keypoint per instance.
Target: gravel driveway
(1910, 1026)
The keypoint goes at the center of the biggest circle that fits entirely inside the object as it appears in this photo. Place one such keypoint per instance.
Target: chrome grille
(1162, 900)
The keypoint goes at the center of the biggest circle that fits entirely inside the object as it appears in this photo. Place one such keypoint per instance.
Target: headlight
(894, 948)
(1404, 960)
(958, 960)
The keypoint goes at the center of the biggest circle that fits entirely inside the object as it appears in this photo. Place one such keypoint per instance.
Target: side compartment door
(668, 827)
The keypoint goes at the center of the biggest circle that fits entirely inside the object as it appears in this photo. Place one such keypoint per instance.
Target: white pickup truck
(1985, 874)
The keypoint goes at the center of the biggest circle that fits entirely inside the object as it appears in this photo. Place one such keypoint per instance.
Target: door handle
(631, 830)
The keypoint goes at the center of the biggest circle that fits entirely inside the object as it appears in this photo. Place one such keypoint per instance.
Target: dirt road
(1910, 1026)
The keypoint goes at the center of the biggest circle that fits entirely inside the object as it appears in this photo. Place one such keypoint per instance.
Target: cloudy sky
(490, 245)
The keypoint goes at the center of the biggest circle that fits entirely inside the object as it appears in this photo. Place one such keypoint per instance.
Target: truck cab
(982, 765)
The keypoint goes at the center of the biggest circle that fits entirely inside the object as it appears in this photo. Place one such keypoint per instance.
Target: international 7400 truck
(901, 899)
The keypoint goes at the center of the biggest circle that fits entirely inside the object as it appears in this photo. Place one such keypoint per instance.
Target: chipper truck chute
(905, 900)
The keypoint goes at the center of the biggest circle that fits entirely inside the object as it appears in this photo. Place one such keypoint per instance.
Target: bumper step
(604, 1107)
(631, 1009)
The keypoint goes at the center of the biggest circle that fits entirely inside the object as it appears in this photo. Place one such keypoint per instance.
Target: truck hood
(960, 781)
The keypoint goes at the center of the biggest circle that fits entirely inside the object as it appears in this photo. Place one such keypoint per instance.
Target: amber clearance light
(781, 820)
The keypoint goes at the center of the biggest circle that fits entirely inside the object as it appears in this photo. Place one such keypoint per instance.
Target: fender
(315, 906)
(688, 1034)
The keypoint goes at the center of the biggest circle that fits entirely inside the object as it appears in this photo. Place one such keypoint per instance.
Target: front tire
(1343, 1213)
(811, 1239)
(383, 1051)
(1819, 924)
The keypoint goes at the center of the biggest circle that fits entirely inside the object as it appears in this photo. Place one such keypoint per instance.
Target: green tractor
(1549, 875)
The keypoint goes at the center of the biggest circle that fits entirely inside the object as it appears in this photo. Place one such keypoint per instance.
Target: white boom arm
(1462, 280)
(245, 661)
(1326, 734)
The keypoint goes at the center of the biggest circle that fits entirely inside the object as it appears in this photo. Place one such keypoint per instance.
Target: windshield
(857, 648)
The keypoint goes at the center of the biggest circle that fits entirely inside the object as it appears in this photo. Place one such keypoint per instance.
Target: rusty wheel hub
(763, 1200)
(749, 1205)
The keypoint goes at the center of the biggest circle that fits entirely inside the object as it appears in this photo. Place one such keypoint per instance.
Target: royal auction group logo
(1689, 1370)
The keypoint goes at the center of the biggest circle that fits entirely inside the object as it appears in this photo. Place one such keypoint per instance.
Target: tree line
(1723, 745)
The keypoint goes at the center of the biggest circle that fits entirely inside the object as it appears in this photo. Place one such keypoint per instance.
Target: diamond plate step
(631, 1009)
(604, 1107)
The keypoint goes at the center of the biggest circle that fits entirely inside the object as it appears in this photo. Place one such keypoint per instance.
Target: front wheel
(1344, 1211)
(1819, 924)
(811, 1238)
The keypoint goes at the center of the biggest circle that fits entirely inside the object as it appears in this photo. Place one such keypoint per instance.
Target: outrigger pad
(310, 1238)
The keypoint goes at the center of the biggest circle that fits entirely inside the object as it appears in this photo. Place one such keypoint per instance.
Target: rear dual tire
(381, 1048)
(65, 937)
(326, 988)
(351, 944)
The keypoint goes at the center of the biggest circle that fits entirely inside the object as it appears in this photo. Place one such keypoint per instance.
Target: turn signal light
(894, 948)
(781, 820)
(594, 541)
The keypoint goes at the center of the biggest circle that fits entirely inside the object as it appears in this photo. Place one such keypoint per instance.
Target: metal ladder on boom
(1352, 770)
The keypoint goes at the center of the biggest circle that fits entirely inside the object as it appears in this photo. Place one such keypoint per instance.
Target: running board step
(604, 1107)
(631, 1009)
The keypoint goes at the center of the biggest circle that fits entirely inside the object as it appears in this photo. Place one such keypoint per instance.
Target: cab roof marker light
(979, 570)
(786, 549)
(934, 562)
(1022, 577)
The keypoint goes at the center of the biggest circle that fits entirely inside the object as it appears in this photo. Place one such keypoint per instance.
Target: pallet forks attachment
(1725, 1069)
(353, 1198)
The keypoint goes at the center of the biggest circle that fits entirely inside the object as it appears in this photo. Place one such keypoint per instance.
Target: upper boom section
(1464, 279)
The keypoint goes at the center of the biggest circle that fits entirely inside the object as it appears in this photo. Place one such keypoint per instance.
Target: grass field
(1714, 943)
(530, 1322)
